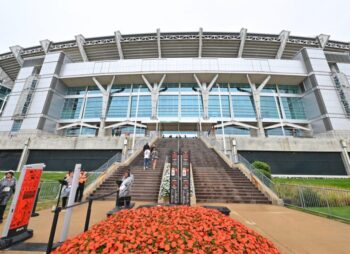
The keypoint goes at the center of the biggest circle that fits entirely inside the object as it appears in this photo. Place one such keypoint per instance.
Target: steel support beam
(118, 37)
(205, 93)
(292, 125)
(154, 93)
(127, 122)
(45, 44)
(243, 35)
(158, 43)
(80, 43)
(256, 97)
(322, 40)
(78, 123)
(283, 37)
(236, 123)
(5, 79)
(105, 101)
(200, 42)
(16, 51)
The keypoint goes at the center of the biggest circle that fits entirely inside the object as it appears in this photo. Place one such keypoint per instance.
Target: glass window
(189, 106)
(143, 88)
(93, 107)
(188, 87)
(287, 131)
(269, 89)
(243, 106)
(268, 107)
(168, 106)
(80, 131)
(170, 87)
(145, 106)
(240, 88)
(95, 90)
(129, 129)
(293, 108)
(223, 88)
(121, 89)
(16, 125)
(290, 89)
(214, 106)
(118, 107)
(233, 130)
(75, 90)
(3, 92)
(72, 108)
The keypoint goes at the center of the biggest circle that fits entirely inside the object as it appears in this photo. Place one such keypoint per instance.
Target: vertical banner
(186, 181)
(174, 179)
(23, 201)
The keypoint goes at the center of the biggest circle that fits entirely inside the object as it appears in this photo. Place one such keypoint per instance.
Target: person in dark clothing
(80, 190)
(145, 147)
(7, 188)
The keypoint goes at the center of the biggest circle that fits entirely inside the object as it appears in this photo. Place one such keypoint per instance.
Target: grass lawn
(342, 212)
(340, 183)
(46, 176)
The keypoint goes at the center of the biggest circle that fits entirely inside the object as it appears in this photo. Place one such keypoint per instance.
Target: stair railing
(96, 177)
(257, 173)
(264, 184)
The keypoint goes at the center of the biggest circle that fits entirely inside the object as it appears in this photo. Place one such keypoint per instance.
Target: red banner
(26, 199)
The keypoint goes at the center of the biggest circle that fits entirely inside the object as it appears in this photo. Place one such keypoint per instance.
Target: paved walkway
(292, 231)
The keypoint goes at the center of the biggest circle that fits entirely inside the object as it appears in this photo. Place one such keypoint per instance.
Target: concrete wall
(62, 143)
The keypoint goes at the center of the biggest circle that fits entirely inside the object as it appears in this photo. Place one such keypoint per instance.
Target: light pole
(136, 113)
(222, 121)
(199, 115)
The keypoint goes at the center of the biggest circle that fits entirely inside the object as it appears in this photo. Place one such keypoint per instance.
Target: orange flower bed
(178, 229)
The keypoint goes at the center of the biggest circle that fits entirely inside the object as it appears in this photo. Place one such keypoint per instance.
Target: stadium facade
(271, 93)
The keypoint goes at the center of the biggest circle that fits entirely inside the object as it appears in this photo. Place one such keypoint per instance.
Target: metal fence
(48, 191)
(327, 201)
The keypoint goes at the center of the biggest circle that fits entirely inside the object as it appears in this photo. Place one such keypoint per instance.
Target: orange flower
(178, 229)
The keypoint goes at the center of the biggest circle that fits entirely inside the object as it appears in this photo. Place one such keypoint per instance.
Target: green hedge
(263, 167)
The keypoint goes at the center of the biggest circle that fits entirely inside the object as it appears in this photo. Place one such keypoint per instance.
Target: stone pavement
(292, 231)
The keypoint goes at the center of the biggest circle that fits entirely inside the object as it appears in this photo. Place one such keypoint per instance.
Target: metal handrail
(257, 173)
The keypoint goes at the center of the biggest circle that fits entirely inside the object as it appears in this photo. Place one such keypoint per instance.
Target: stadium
(279, 98)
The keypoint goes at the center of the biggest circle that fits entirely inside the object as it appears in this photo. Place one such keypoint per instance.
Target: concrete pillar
(345, 156)
(101, 130)
(24, 156)
(154, 98)
(256, 98)
(234, 150)
(205, 98)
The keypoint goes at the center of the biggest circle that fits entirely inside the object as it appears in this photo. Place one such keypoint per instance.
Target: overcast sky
(26, 22)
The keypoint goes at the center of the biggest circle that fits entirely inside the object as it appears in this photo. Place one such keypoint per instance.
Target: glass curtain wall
(184, 100)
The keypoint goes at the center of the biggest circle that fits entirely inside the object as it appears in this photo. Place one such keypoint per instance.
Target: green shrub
(263, 167)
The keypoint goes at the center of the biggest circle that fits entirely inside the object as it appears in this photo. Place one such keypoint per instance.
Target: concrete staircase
(146, 184)
(215, 181)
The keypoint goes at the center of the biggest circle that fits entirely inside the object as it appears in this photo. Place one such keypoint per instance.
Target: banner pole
(68, 215)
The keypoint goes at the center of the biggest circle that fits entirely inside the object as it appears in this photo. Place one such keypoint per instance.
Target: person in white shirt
(147, 158)
(125, 189)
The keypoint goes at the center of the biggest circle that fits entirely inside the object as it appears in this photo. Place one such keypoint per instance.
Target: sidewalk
(292, 231)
